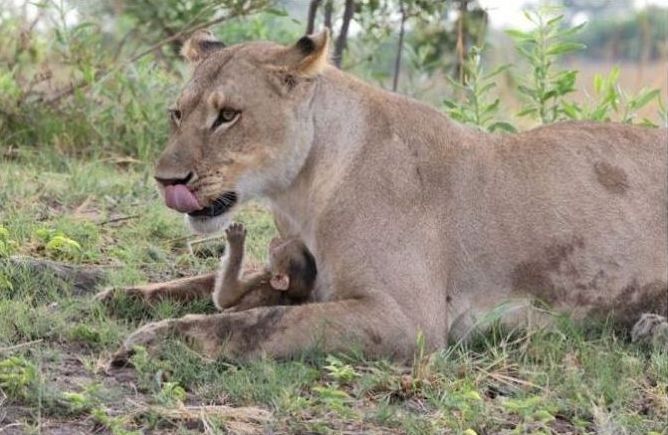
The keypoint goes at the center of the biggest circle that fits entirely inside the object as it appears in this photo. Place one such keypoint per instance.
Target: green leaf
(564, 47)
(643, 99)
(277, 12)
(600, 114)
(525, 53)
(598, 83)
(449, 104)
(498, 70)
(554, 20)
(502, 126)
(530, 16)
(527, 112)
(492, 107)
(572, 31)
(486, 88)
(648, 123)
(527, 91)
(520, 36)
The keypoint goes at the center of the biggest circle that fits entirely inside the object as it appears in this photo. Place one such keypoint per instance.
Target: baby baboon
(287, 280)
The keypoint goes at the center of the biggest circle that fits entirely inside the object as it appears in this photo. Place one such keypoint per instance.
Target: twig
(119, 219)
(20, 345)
(4, 429)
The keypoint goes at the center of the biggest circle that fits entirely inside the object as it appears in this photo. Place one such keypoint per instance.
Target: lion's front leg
(184, 289)
(284, 331)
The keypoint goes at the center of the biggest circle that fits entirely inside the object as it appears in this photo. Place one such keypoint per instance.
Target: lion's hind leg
(284, 331)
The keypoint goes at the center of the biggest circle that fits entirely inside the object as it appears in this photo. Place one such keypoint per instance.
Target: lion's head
(241, 127)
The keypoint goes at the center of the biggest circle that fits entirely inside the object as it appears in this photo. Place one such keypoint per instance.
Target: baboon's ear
(200, 45)
(310, 55)
(280, 281)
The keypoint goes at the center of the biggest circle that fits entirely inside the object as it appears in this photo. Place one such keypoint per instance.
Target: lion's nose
(173, 181)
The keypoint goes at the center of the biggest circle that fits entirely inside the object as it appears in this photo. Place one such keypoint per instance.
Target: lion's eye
(226, 115)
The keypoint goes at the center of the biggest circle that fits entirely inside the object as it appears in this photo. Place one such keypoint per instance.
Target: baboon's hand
(236, 234)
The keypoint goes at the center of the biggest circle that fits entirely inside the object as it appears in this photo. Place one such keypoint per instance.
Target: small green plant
(534, 410)
(18, 378)
(335, 399)
(610, 99)
(7, 246)
(171, 393)
(85, 334)
(59, 246)
(478, 109)
(541, 48)
(76, 403)
(116, 425)
(341, 372)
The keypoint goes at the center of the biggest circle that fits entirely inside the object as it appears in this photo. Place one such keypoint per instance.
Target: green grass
(54, 340)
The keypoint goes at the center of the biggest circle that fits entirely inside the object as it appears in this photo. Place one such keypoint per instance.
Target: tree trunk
(348, 12)
(310, 19)
(329, 9)
(400, 48)
(461, 39)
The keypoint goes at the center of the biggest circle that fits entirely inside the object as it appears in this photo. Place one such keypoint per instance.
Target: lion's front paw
(147, 336)
(108, 294)
(651, 328)
(105, 295)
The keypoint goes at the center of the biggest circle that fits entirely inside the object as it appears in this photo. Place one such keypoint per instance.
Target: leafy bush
(610, 99)
(477, 109)
(73, 87)
(541, 47)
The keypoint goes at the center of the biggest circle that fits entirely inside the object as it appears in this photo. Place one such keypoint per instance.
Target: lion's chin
(208, 225)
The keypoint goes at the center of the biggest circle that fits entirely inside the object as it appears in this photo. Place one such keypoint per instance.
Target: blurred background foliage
(95, 78)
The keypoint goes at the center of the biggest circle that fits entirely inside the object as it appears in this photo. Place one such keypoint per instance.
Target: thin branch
(118, 219)
(310, 19)
(19, 346)
(341, 41)
(400, 47)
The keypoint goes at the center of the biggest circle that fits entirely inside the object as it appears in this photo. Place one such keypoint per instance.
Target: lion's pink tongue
(180, 198)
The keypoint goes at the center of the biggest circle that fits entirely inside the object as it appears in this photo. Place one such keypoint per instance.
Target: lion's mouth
(221, 205)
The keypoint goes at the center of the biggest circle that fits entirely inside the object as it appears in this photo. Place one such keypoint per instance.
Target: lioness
(416, 223)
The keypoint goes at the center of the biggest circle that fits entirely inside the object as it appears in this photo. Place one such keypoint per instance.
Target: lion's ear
(200, 45)
(310, 55)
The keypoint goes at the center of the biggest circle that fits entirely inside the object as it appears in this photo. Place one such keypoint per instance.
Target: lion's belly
(576, 228)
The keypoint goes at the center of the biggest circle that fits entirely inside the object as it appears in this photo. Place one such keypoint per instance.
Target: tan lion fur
(416, 222)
